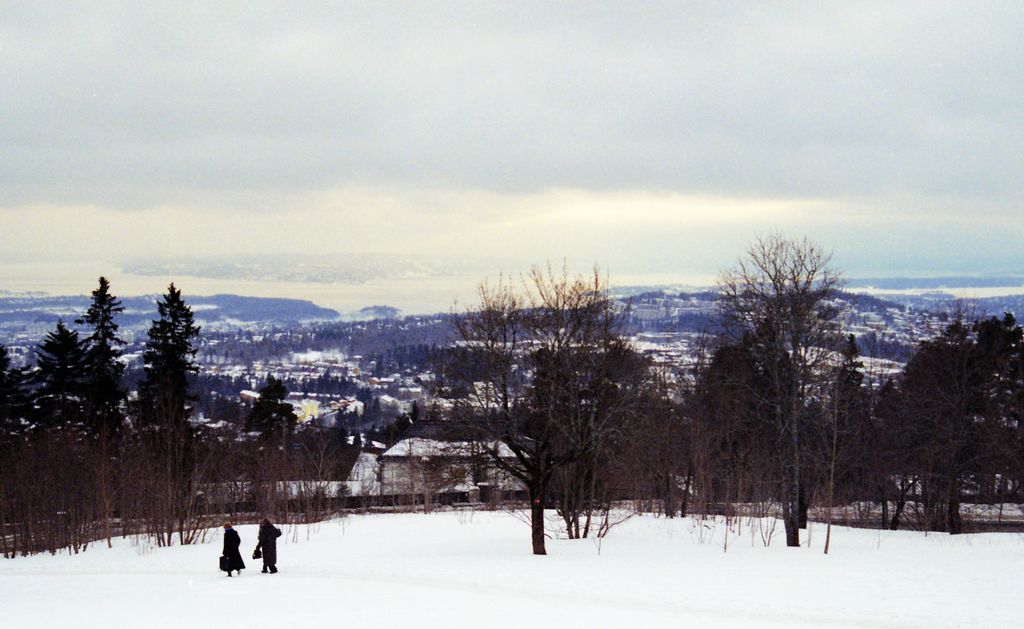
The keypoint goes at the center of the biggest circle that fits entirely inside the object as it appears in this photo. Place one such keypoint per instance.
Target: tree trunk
(832, 483)
(934, 516)
(803, 505)
(591, 496)
(901, 502)
(537, 520)
(790, 518)
(953, 522)
(685, 506)
(894, 523)
(792, 500)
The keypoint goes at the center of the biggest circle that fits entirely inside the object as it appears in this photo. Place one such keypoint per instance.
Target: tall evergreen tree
(164, 399)
(169, 361)
(6, 389)
(12, 398)
(271, 414)
(102, 367)
(60, 378)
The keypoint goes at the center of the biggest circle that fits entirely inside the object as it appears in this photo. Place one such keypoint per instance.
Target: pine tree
(271, 414)
(6, 390)
(60, 378)
(102, 367)
(12, 398)
(169, 360)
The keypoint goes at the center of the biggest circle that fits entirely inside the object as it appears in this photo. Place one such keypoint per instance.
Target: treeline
(401, 344)
(778, 419)
(783, 412)
(81, 459)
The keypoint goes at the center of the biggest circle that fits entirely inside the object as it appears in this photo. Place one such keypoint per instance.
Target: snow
(363, 480)
(473, 569)
(423, 447)
(313, 356)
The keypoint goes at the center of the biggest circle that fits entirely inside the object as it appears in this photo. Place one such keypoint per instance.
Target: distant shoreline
(428, 295)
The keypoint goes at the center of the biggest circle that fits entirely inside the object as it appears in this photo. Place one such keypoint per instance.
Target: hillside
(474, 570)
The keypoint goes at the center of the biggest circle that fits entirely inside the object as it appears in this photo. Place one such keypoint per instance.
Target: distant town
(362, 374)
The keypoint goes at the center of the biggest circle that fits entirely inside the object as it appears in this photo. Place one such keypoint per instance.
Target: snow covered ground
(464, 569)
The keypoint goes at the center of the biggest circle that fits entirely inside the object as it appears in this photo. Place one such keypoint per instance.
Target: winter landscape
(467, 569)
(511, 314)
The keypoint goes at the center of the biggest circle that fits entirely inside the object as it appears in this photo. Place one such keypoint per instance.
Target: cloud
(627, 231)
(505, 125)
(367, 220)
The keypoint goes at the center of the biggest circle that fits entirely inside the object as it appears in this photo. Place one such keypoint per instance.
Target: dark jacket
(231, 543)
(268, 543)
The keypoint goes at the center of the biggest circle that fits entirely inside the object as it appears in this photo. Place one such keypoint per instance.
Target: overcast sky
(649, 137)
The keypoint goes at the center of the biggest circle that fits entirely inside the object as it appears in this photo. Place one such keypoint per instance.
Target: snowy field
(474, 570)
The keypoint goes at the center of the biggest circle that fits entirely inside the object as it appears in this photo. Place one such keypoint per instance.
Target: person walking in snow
(231, 544)
(268, 546)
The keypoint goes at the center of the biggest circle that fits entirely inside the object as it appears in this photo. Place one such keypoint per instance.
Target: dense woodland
(778, 420)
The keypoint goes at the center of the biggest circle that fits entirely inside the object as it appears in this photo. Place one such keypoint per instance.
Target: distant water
(412, 296)
(959, 292)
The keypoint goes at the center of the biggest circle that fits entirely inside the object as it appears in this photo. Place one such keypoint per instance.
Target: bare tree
(539, 379)
(778, 296)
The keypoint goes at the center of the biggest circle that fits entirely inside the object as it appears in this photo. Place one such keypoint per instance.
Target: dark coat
(231, 543)
(268, 543)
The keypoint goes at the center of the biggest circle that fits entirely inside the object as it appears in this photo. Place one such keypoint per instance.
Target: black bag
(257, 554)
(225, 563)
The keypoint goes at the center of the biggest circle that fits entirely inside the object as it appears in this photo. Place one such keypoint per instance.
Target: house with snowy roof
(442, 461)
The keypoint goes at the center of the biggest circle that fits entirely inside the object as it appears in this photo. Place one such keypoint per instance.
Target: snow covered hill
(466, 569)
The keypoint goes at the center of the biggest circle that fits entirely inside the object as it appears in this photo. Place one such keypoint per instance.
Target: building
(438, 461)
